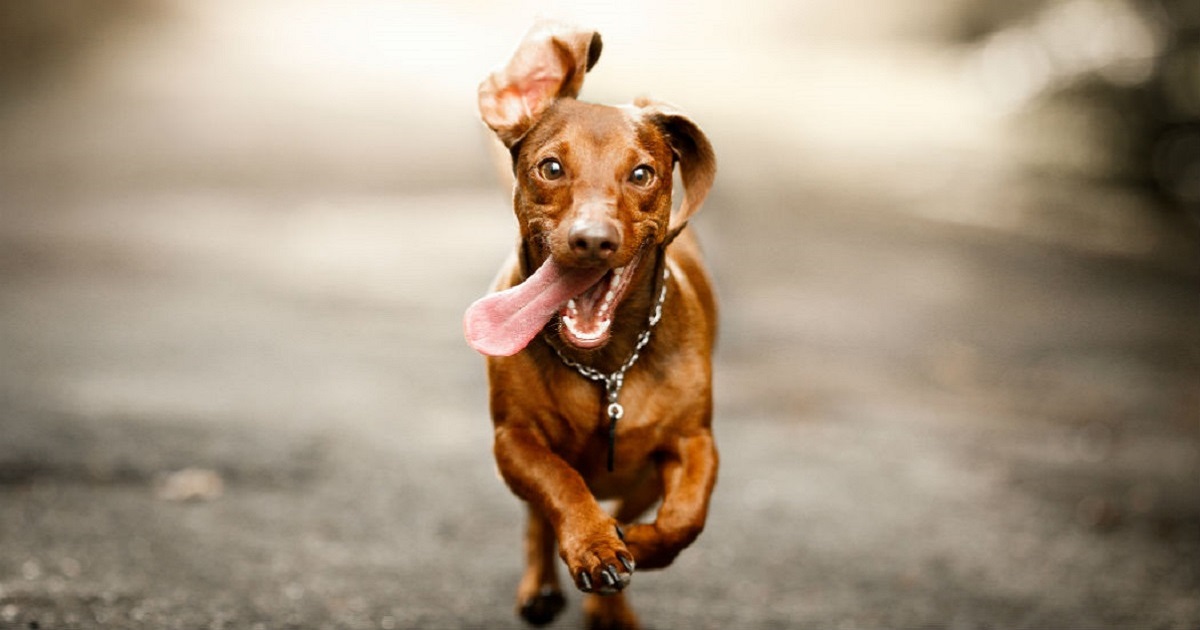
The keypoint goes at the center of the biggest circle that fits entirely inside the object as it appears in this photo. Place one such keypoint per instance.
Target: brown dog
(601, 333)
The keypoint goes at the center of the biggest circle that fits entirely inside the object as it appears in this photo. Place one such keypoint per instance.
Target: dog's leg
(539, 597)
(688, 478)
(609, 612)
(638, 500)
(587, 536)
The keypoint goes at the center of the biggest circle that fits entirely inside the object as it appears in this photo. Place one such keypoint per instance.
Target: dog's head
(593, 182)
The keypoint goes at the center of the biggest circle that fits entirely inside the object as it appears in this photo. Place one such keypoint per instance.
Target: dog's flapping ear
(694, 154)
(549, 63)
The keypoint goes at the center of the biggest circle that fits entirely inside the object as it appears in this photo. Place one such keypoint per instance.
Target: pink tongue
(502, 324)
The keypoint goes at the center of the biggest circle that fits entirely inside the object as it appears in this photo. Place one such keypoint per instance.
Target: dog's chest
(645, 426)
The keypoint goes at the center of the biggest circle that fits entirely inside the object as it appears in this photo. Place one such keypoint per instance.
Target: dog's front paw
(654, 548)
(598, 560)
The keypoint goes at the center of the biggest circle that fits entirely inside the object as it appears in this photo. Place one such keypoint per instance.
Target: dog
(600, 329)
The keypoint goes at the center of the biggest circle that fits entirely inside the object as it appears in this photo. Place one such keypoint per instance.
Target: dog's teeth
(598, 328)
(617, 272)
(571, 304)
(608, 297)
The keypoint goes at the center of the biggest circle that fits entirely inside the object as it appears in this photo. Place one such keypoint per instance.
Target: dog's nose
(594, 238)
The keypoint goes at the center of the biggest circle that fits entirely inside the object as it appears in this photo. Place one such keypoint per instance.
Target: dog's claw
(620, 533)
(609, 575)
(585, 582)
(627, 563)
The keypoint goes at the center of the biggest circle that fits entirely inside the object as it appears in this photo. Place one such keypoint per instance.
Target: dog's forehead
(603, 127)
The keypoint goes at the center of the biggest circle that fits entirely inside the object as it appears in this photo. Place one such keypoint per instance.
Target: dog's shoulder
(686, 261)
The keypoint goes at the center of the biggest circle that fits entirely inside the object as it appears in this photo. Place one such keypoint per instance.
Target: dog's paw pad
(542, 608)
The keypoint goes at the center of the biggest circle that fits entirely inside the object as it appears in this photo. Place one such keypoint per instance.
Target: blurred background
(956, 244)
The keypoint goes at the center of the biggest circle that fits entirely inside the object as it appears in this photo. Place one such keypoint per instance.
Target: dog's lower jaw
(586, 320)
(598, 318)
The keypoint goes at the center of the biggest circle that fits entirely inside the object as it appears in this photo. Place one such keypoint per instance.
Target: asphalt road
(921, 425)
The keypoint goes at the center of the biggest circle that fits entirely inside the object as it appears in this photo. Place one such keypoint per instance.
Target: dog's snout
(594, 238)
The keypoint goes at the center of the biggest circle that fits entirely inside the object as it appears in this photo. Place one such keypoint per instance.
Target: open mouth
(587, 318)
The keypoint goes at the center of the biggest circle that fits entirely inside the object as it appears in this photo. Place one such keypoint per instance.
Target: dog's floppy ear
(549, 63)
(697, 162)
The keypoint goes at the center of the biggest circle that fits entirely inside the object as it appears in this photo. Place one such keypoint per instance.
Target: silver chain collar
(616, 379)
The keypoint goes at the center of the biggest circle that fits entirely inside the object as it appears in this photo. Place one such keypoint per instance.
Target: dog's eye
(642, 175)
(550, 169)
